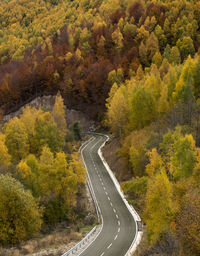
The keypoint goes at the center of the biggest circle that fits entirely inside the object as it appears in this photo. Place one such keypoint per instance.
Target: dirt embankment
(47, 103)
(116, 163)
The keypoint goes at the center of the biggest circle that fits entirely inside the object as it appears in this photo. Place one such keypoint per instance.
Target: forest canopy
(85, 42)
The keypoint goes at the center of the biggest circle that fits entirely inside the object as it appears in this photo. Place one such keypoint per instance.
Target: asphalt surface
(119, 227)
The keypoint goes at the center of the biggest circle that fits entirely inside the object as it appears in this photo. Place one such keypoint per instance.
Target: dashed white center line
(106, 193)
(118, 230)
(117, 216)
(104, 188)
(108, 198)
(118, 223)
(102, 254)
(114, 210)
(111, 204)
(115, 237)
(109, 246)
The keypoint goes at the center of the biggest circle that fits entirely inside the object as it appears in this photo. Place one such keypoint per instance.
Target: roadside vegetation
(40, 174)
(156, 116)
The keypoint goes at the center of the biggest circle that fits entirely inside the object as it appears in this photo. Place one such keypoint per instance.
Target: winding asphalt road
(119, 227)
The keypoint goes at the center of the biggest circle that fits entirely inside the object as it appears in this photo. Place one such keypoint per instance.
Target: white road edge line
(136, 217)
(93, 195)
(109, 246)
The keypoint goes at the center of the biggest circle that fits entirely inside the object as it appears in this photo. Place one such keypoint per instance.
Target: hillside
(99, 37)
(25, 24)
(134, 66)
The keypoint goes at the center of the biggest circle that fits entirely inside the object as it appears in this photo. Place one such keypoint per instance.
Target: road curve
(119, 228)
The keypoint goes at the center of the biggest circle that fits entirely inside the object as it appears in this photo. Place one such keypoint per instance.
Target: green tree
(186, 47)
(19, 213)
(152, 46)
(183, 158)
(159, 33)
(166, 54)
(175, 56)
(184, 86)
(142, 108)
(130, 29)
(116, 76)
(77, 131)
(196, 76)
(157, 59)
(143, 54)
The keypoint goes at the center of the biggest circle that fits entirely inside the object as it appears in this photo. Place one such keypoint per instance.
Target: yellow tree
(111, 94)
(163, 104)
(4, 156)
(156, 163)
(76, 166)
(45, 167)
(65, 180)
(28, 170)
(19, 213)
(28, 118)
(47, 133)
(16, 139)
(159, 206)
(59, 114)
(117, 114)
(117, 38)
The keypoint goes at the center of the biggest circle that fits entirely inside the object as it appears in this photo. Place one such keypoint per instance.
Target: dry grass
(53, 244)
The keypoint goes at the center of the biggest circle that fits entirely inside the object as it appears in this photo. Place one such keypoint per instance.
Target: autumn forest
(134, 67)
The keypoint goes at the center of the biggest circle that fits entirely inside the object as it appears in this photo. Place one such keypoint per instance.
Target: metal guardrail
(78, 246)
